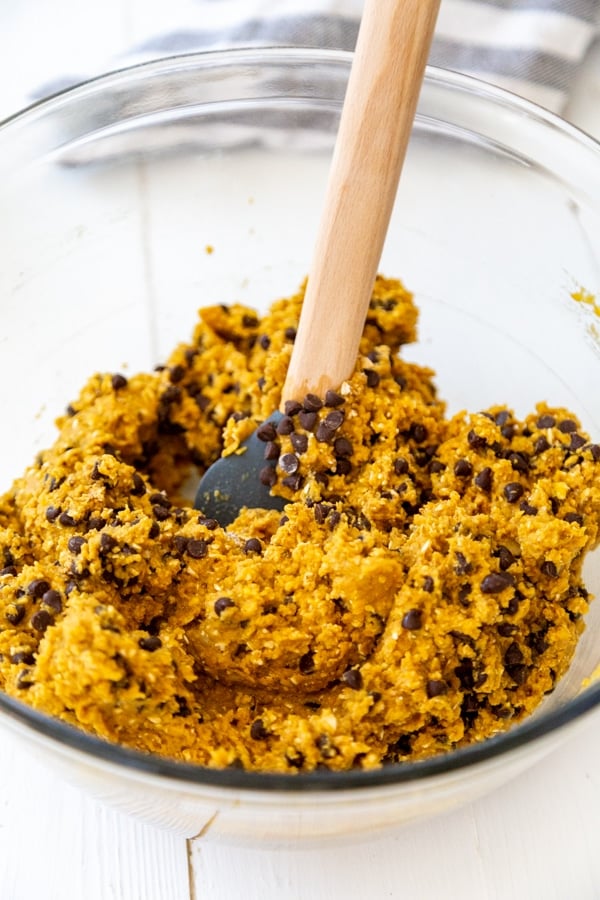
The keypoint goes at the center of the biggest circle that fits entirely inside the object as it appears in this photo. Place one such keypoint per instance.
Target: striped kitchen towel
(532, 47)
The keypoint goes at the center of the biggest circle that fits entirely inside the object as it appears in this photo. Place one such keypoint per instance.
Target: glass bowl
(130, 201)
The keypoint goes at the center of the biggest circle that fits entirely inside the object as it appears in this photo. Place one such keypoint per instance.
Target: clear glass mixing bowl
(112, 196)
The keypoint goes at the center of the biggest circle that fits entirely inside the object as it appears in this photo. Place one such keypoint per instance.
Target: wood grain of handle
(381, 98)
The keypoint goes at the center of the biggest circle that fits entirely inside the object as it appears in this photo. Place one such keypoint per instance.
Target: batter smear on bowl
(420, 591)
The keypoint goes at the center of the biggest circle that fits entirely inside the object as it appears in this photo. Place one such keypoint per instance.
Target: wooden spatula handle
(379, 108)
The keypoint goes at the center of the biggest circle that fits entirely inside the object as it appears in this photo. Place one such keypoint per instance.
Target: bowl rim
(531, 730)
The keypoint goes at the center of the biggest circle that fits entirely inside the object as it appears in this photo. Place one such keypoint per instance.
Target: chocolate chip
(505, 629)
(463, 468)
(505, 558)
(548, 568)
(483, 479)
(95, 523)
(292, 407)
(342, 447)
(372, 378)
(249, 321)
(271, 450)
(197, 549)
(107, 543)
(528, 509)
(307, 420)
(176, 374)
(17, 616)
(289, 463)
(541, 445)
(352, 679)
(293, 482)
(334, 419)
(343, 466)
(518, 673)
(150, 643)
(496, 582)
(290, 334)
(476, 441)
(24, 679)
(299, 442)
(118, 382)
(160, 512)
(333, 399)
(154, 530)
(436, 688)
(37, 587)
(412, 620)
(258, 732)
(312, 403)
(464, 593)
(180, 543)
(567, 426)
(324, 434)
(267, 476)
(22, 657)
(253, 545)
(513, 655)
(222, 604)
(436, 466)
(428, 584)
(595, 451)
(419, 433)
(8, 570)
(285, 425)
(67, 520)
(513, 491)
(52, 513)
(463, 566)
(266, 432)
(53, 599)
(400, 466)
(40, 620)
(546, 421)
(573, 517)
(139, 487)
(75, 544)
(576, 442)
(307, 663)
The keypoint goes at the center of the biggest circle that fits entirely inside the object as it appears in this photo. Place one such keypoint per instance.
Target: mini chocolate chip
(52, 513)
(476, 441)
(528, 509)
(293, 482)
(342, 447)
(546, 421)
(548, 568)
(518, 673)
(222, 604)
(95, 523)
(154, 530)
(285, 425)
(66, 519)
(312, 403)
(40, 620)
(463, 566)
(400, 466)
(292, 407)
(502, 417)
(463, 468)
(249, 321)
(428, 584)
(352, 679)
(24, 679)
(334, 419)
(289, 463)
(299, 442)
(181, 543)
(419, 433)
(513, 491)
(436, 688)
(160, 499)
(271, 450)
(38, 587)
(197, 549)
(150, 643)
(75, 544)
(567, 426)
(258, 732)
(17, 616)
(107, 543)
(266, 432)
(253, 545)
(595, 451)
(508, 431)
(412, 620)
(496, 582)
(333, 518)
(436, 466)
(161, 513)
(307, 420)
(541, 445)
(343, 466)
(505, 629)
(505, 558)
(464, 593)
(211, 524)
(333, 399)
(8, 570)
(264, 341)
(53, 599)
(290, 334)
(577, 441)
(267, 476)
(139, 487)
(483, 479)
(324, 434)
(307, 663)
(372, 378)
(118, 381)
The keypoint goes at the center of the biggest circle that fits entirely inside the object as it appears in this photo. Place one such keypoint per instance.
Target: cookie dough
(420, 591)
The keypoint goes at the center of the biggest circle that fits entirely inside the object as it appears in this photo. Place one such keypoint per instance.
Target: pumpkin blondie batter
(420, 591)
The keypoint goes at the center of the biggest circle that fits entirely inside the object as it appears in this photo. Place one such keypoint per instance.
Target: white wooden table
(536, 839)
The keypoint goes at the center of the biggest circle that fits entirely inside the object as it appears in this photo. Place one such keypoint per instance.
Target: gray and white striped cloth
(531, 47)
